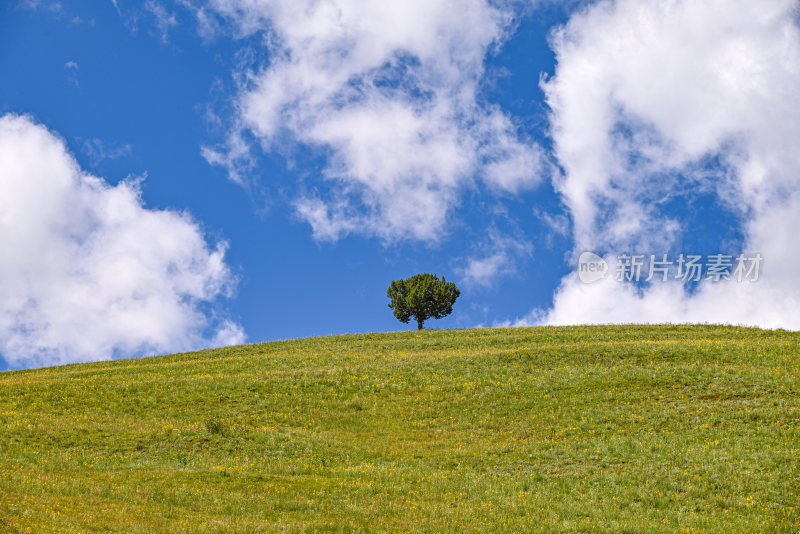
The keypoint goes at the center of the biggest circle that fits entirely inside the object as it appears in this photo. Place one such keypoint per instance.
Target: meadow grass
(582, 429)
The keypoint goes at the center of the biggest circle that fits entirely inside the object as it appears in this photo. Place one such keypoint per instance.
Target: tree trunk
(419, 323)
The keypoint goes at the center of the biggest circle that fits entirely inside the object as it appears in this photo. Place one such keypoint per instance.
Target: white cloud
(98, 151)
(647, 92)
(163, 19)
(483, 271)
(72, 72)
(53, 6)
(497, 258)
(88, 272)
(557, 224)
(388, 91)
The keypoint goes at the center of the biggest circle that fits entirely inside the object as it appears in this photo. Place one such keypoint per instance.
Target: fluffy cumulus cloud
(389, 93)
(655, 100)
(87, 271)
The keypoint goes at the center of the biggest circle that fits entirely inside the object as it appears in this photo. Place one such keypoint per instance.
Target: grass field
(589, 429)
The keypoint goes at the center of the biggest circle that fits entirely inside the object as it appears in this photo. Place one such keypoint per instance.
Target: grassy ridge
(601, 429)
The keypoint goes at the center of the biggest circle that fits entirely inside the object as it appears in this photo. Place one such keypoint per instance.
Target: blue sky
(329, 150)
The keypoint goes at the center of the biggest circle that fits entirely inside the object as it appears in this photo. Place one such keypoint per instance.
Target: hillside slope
(604, 429)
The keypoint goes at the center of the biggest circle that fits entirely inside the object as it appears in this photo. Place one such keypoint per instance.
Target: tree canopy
(422, 296)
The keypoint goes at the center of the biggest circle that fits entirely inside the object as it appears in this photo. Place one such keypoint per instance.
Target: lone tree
(422, 296)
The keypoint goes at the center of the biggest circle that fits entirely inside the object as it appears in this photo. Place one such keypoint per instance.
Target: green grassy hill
(590, 429)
